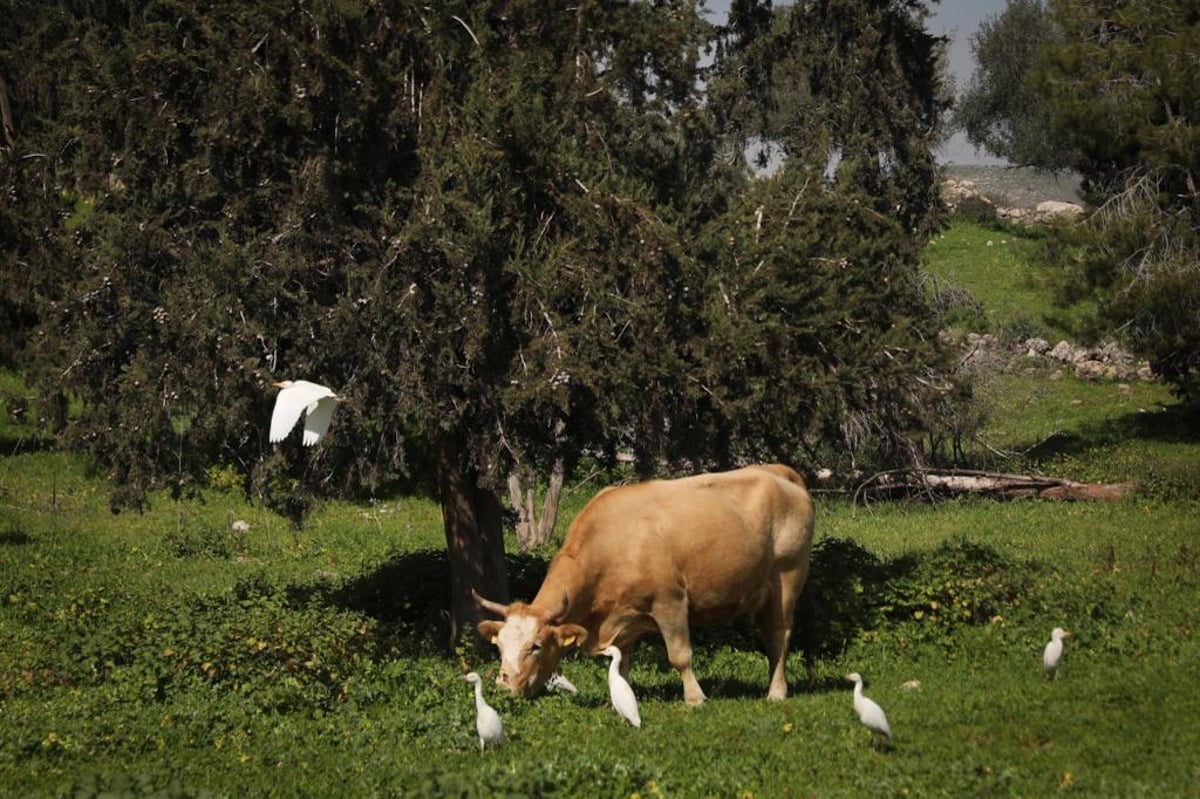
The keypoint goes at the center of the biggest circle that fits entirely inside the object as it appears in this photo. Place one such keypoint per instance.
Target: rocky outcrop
(965, 198)
(1107, 361)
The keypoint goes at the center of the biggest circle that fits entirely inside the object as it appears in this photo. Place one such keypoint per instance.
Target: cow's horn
(562, 610)
(487, 604)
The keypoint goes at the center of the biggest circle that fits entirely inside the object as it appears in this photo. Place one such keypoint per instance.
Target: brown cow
(660, 555)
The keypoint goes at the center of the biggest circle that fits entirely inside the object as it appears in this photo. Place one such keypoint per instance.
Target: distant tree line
(511, 233)
(1110, 90)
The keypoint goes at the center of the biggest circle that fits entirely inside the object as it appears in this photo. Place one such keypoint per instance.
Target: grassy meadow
(170, 654)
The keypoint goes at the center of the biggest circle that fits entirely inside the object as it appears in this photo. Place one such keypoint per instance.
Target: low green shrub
(915, 596)
(202, 541)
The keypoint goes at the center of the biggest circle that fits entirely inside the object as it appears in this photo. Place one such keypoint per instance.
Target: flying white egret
(487, 720)
(561, 683)
(620, 690)
(869, 713)
(315, 401)
(1052, 655)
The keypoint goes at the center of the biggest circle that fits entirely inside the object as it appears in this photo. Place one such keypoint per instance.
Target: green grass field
(166, 654)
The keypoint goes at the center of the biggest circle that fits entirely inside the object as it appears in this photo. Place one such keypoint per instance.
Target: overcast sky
(957, 19)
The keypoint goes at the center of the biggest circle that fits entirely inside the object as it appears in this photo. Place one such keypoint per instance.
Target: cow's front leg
(672, 622)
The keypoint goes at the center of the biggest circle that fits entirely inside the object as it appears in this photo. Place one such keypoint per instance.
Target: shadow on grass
(714, 688)
(851, 591)
(15, 536)
(25, 444)
(1154, 449)
(409, 595)
(1175, 424)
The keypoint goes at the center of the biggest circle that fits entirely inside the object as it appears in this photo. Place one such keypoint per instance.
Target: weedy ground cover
(318, 669)
(168, 654)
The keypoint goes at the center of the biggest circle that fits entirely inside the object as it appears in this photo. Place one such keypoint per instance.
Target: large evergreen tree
(460, 219)
(506, 232)
(820, 294)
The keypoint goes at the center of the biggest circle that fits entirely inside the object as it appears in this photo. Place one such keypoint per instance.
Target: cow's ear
(570, 635)
(490, 629)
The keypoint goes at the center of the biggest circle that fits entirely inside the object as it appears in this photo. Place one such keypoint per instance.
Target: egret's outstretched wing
(316, 421)
(288, 407)
(294, 397)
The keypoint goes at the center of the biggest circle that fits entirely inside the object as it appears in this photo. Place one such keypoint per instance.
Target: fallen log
(936, 483)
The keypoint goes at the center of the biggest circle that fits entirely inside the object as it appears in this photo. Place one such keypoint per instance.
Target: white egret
(620, 690)
(1052, 655)
(487, 720)
(869, 713)
(561, 683)
(315, 401)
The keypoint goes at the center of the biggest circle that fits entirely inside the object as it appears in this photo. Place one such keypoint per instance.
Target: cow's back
(715, 537)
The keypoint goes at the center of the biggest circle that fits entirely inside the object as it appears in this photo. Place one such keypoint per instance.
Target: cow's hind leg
(774, 620)
(671, 618)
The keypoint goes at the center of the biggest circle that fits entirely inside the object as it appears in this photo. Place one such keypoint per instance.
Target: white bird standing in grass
(487, 720)
(297, 397)
(869, 713)
(1052, 655)
(620, 690)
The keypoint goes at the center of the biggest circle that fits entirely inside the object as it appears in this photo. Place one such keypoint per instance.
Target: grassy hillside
(1039, 417)
(168, 654)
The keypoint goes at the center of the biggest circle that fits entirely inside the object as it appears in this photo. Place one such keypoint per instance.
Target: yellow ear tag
(570, 639)
(495, 639)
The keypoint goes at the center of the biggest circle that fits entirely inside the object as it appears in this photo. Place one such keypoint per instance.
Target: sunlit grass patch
(996, 267)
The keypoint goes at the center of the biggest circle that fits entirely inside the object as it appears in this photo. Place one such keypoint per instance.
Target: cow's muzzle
(527, 687)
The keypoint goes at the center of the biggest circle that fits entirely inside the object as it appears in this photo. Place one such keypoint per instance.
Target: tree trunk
(534, 529)
(474, 539)
(550, 506)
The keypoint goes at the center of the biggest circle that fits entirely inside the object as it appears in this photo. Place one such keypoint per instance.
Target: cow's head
(531, 642)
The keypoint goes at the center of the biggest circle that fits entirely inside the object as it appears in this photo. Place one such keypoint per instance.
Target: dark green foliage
(960, 583)
(816, 298)
(203, 144)
(827, 299)
(782, 84)
(1123, 86)
(208, 541)
(500, 231)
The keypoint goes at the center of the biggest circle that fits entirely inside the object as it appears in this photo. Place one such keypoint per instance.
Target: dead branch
(936, 483)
